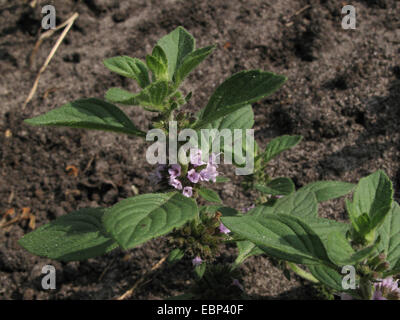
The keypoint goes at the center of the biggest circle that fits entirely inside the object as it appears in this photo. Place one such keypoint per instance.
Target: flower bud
(383, 267)
(382, 257)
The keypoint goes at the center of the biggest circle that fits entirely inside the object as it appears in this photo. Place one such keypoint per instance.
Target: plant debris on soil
(342, 95)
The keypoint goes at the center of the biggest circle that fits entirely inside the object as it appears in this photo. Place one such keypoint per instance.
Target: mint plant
(283, 223)
(291, 230)
(181, 181)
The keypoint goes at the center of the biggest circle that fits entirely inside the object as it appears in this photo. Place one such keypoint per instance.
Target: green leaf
(121, 96)
(240, 89)
(243, 119)
(158, 63)
(373, 196)
(328, 276)
(301, 203)
(136, 220)
(226, 211)
(191, 61)
(280, 144)
(246, 250)
(176, 45)
(221, 179)
(280, 236)
(175, 256)
(154, 95)
(89, 114)
(390, 237)
(209, 195)
(129, 67)
(76, 236)
(287, 205)
(327, 190)
(200, 270)
(229, 212)
(151, 98)
(324, 227)
(278, 186)
(341, 253)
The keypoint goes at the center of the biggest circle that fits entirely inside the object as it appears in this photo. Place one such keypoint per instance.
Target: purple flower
(378, 296)
(195, 157)
(213, 159)
(209, 173)
(175, 183)
(223, 229)
(197, 261)
(278, 196)
(193, 176)
(236, 283)
(386, 289)
(187, 191)
(174, 171)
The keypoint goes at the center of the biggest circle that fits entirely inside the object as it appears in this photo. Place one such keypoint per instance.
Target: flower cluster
(386, 289)
(198, 171)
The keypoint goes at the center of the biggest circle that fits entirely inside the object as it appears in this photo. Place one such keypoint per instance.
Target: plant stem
(302, 273)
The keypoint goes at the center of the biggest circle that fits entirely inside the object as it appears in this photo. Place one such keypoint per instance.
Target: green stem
(302, 273)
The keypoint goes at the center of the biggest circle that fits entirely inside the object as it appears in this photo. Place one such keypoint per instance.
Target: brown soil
(342, 95)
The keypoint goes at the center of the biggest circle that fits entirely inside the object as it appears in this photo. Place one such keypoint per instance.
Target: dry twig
(142, 279)
(288, 24)
(67, 24)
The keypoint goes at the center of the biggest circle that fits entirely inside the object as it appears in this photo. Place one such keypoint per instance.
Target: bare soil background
(343, 96)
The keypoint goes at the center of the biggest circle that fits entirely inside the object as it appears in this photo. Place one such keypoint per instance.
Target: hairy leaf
(280, 144)
(373, 196)
(301, 203)
(341, 253)
(281, 236)
(191, 61)
(328, 276)
(158, 63)
(151, 98)
(136, 220)
(390, 237)
(246, 250)
(176, 45)
(221, 179)
(241, 119)
(89, 114)
(121, 96)
(242, 88)
(278, 186)
(327, 190)
(76, 236)
(209, 195)
(129, 67)
(175, 256)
